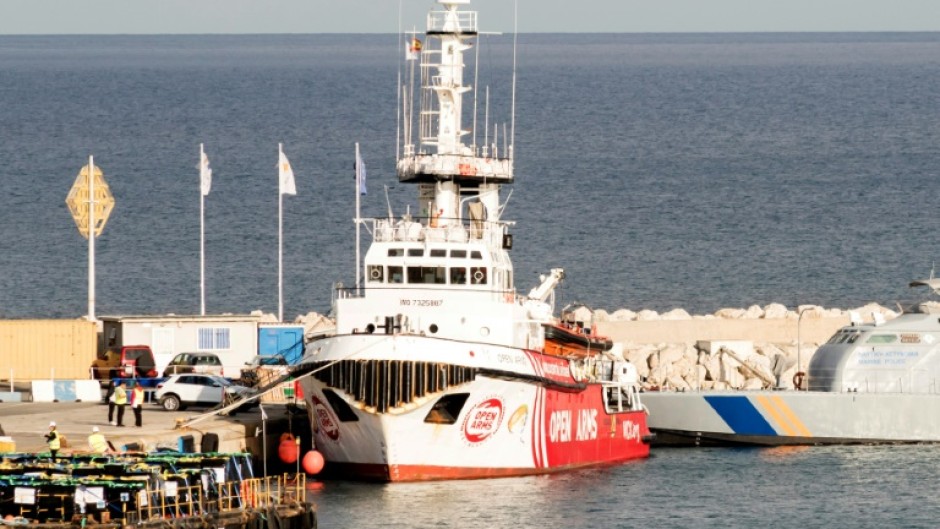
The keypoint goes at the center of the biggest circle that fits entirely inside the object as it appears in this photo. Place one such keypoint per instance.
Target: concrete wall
(777, 330)
(46, 349)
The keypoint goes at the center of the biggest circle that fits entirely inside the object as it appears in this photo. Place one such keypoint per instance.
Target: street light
(264, 439)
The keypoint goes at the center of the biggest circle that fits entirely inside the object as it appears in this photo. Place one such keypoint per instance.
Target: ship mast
(435, 155)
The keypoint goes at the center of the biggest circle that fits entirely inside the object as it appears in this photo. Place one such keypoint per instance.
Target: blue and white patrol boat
(876, 382)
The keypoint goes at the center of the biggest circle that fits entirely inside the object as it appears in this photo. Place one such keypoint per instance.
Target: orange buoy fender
(289, 449)
(312, 462)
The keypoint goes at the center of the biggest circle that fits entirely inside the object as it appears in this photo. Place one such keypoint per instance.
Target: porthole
(433, 328)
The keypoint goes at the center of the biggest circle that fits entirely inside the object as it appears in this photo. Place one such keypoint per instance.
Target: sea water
(661, 171)
(859, 487)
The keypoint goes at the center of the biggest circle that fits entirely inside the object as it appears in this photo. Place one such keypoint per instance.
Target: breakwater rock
(734, 348)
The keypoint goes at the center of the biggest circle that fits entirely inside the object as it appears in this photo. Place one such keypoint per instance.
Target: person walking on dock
(54, 440)
(120, 400)
(110, 399)
(137, 402)
(96, 441)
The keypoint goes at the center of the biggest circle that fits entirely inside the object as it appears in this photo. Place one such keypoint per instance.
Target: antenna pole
(476, 84)
(399, 114)
(515, 37)
(280, 241)
(358, 219)
(91, 238)
(202, 237)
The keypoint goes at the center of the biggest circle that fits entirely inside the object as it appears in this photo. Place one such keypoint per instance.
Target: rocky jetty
(734, 348)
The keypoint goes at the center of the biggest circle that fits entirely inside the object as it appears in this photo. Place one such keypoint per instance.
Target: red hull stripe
(397, 473)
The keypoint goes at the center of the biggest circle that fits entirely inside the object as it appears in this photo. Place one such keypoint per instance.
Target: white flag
(360, 174)
(285, 176)
(205, 172)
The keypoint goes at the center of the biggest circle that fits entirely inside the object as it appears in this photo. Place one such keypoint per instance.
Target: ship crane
(547, 288)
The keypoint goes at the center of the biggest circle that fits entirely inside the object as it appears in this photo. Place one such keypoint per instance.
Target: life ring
(798, 380)
(376, 273)
(478, 276)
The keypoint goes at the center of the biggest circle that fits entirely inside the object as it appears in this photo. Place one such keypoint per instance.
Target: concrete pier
(27, 423)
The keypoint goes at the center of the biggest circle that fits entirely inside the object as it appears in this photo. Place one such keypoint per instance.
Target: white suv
(179, 391)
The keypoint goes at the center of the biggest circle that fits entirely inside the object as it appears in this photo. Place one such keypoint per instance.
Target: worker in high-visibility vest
(137, 402)
(96, 441)
(54, 440)
(120, 400)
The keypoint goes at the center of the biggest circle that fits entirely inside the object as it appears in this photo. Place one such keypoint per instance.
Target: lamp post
(264, 439)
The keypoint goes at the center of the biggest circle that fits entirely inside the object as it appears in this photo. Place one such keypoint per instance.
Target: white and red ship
(438, 368)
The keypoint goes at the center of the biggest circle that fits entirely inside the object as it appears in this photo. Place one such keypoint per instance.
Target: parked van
(194, 363)
(132, 361)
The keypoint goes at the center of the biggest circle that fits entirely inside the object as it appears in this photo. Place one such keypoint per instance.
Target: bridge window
(458, 275)
(376, 274)
(426, 274)
(396, 252)
(415, 252)
(478, 275)
(438, 253)
(462, 254)
(395, 274)
(475, 254)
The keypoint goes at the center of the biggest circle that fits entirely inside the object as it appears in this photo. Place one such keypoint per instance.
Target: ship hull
(778, 418)
(526, 417)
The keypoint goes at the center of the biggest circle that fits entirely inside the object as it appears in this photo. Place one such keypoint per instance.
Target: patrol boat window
(395, 274)
(882, 338)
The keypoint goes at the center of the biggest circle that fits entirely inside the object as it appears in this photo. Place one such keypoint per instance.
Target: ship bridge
(441, 277)
(439, 253)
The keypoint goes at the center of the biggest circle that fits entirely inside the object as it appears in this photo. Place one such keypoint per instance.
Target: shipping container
(281, 339)
(47, 349)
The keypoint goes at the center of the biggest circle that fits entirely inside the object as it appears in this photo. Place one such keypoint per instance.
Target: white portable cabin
(233, 337)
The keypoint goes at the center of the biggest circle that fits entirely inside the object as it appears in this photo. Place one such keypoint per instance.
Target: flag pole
(202, 235)
(358, 219)
(91, 238)
(280, 234)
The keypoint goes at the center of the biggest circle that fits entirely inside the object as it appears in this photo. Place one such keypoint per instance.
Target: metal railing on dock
(229, 497)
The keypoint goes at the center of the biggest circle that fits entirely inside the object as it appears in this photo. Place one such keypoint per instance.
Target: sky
(45, 17)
